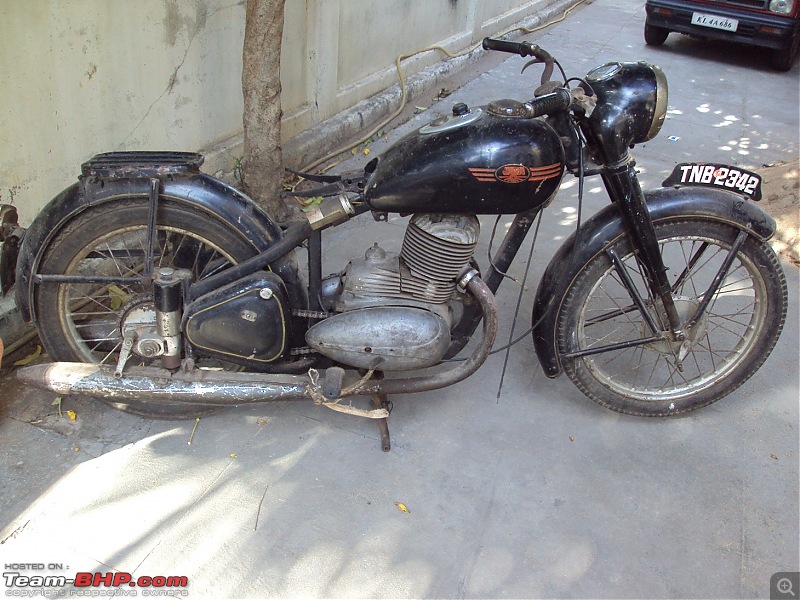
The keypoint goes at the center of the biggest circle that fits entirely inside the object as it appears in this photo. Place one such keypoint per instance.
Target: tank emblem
(516, 173)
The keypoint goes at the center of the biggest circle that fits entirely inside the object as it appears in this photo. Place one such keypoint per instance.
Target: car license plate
(714, 21)
(726, 177)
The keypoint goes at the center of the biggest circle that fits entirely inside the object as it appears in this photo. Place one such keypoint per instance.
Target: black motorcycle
(171, 294)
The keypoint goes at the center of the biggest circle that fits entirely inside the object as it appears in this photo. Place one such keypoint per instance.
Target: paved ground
(541, 493)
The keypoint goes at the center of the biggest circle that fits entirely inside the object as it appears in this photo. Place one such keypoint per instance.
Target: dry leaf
(774, 456)
(402, 507)
(366, 150)
(30, 358)
(261, 421)
(72, 415)
(571, 439)
(233, 455)
(117, 296)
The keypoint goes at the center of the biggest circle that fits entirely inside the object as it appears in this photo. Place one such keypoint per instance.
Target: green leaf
(57, 402)
(312, 204)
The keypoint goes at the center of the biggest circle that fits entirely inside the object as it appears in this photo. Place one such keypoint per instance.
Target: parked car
(773, 24)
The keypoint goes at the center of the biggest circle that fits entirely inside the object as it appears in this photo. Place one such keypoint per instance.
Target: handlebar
(555, 102)
(523, 49)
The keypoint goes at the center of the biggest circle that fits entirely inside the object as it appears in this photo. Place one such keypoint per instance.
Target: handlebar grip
(548, 104)
(521, 48)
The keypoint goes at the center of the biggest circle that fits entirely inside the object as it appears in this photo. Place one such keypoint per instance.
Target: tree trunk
(262, 165)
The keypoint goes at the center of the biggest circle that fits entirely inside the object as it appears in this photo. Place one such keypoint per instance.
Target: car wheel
(655, 36)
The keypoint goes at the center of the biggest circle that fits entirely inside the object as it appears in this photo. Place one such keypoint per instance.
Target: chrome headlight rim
(662, 100)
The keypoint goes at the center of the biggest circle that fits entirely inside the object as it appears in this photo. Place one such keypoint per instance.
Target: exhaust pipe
(225, 388)
(153, 383)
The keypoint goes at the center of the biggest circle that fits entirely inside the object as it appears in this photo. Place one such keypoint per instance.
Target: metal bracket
(125, 352)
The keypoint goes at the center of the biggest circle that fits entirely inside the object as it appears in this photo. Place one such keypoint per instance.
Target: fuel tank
(486, 160)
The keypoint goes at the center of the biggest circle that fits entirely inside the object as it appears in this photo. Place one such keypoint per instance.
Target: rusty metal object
(382, 401)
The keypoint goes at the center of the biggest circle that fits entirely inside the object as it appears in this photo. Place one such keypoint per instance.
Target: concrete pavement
(540, 494)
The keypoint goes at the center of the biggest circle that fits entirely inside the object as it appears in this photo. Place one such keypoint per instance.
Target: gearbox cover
(247, 322)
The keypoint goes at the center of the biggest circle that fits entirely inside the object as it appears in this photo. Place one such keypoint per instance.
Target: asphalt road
(541, 493)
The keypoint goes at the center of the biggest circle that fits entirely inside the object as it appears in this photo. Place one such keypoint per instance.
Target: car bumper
(755, 29)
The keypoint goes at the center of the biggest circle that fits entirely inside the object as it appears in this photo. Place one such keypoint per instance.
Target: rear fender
(606, 227)
(200, 190)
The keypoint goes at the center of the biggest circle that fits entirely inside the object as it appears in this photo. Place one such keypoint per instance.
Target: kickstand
(381, 401)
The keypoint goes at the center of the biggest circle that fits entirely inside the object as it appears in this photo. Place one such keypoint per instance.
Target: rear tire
(80, 322)
(729, 343)
(655, 36)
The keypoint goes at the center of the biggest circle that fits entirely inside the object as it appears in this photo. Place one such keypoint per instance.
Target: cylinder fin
(436, 248)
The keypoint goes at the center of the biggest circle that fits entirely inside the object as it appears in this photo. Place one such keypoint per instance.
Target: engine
(395, 310)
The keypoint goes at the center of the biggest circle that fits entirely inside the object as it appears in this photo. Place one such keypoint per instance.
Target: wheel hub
(139, 320)
(686, 308)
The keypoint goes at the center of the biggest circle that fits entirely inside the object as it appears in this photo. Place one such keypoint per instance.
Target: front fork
(623, 187)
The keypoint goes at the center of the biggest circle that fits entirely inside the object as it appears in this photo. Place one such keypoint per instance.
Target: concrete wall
(79, 77)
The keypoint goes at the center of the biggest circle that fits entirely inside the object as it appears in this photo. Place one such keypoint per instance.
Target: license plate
(714, 21)
(724, 177)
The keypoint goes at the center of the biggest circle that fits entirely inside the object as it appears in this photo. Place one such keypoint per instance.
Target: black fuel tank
(474, 162)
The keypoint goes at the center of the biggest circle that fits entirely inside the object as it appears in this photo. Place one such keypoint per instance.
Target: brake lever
(535, 61)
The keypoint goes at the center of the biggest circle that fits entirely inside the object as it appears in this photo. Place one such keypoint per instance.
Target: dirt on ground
(781, 199)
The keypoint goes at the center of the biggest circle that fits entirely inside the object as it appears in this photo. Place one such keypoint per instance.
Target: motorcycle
(167, 293)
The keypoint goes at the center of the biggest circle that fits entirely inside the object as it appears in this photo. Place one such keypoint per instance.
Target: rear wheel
(655, 36)
(81, 322)
(669, 377)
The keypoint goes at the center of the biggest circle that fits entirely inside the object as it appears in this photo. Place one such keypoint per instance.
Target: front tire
(662, 378)
(80, 322)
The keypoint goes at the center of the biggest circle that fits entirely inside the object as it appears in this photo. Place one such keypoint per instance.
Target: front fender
(198, 189)
(605, 227)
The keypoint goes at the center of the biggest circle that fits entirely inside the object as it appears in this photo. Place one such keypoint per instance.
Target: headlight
(631, 105)
(783, 7)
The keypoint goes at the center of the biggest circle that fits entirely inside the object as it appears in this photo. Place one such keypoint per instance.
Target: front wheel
(668, 377)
